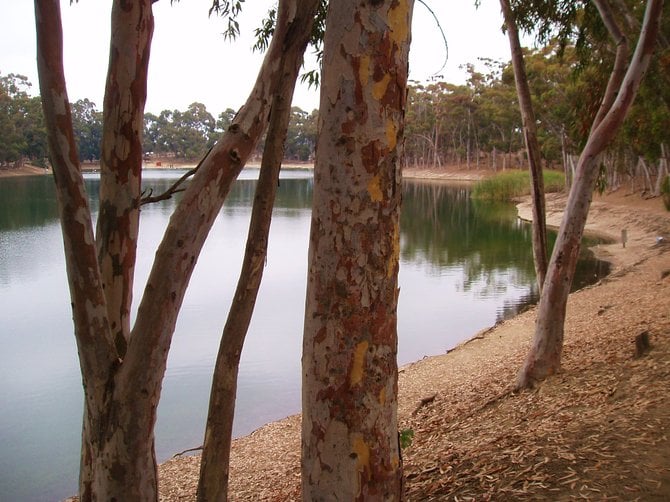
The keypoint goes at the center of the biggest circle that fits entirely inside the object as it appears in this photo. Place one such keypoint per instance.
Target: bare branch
(175, 188)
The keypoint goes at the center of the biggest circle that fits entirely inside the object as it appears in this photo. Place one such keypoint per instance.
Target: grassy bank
(512, 184)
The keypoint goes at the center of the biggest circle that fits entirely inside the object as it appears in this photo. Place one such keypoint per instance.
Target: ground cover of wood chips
(598, 430)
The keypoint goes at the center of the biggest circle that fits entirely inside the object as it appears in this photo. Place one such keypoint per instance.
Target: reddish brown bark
(121, 159)
(350, 445)
(94, 341)
(122, 390)
(296, 17)
(544, 357)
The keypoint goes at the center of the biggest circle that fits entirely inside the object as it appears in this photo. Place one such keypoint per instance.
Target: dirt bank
(28, 170)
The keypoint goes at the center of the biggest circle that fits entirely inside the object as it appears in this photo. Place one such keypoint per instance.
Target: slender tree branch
(175, 188)
(620, 61)
(540, 245)
(91, 326)
(215, 460)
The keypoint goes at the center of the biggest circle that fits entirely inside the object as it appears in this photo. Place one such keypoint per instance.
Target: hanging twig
(444, 37)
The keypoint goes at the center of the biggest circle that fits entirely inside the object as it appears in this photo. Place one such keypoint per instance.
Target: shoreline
(472, 423)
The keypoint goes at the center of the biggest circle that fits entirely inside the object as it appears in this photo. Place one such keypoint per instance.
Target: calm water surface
(464, 265)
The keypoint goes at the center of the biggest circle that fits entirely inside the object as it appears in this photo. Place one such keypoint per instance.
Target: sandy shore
(585, 433)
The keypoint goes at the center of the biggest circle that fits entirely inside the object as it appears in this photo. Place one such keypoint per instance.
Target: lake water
(464, 265)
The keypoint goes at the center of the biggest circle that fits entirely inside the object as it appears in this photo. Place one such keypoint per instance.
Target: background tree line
(475, 124)
(478, 125)
(186, 134)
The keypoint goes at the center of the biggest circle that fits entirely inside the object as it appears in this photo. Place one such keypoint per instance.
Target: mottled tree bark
(121, 159)
(539, 224)
(122, 382)
(350, 445)
(295, 17)
(544, 358)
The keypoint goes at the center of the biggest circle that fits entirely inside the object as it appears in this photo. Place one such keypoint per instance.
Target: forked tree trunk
(129, 474)
(350, 445)
(544, 358)
(214, 466)
(122, 393)
(539, 225)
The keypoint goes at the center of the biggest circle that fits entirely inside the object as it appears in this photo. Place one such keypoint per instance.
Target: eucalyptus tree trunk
(294, 16)
(122, 375)
(544, 358)
(121, 159)
(117, 458)
(539, 224)
(350, 447)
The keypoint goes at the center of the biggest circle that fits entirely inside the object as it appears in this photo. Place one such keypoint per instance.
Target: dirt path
(598, 430)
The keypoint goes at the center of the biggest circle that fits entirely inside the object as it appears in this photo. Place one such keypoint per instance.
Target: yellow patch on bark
(395, 255)
(382, 396)
(362, 451)
(374, 189)
(364, 70)
(359, 361)
(398, 22)
(391, 134)
(379, 88)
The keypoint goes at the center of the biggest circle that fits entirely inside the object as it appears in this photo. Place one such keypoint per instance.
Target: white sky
(190, 61)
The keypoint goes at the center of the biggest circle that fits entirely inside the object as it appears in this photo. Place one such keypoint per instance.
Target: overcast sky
(190, 60)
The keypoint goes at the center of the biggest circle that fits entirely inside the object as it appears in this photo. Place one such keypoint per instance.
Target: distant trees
(477, 124)
(87, 123)
(186, 134)
(22, 132)
(301, 139)
(182, 134)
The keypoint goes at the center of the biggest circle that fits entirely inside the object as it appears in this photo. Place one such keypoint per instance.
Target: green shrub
(406, 436)
(511, 184)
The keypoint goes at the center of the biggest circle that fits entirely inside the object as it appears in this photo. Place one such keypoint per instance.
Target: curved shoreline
(465, 386)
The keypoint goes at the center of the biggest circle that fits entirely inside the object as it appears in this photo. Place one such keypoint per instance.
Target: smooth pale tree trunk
(295, 16)
(539, 225)
(121, 391)
(350, 447)
(544, 358)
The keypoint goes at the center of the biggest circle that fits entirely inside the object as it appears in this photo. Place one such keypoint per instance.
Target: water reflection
(444, 228)
(464, 265)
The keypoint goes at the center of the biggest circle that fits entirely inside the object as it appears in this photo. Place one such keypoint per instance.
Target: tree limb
(620, 61)
(175, 188)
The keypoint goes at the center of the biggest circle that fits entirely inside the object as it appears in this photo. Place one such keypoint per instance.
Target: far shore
(449, 173)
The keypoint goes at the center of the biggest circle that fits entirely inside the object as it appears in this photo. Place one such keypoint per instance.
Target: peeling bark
(214, 465)
(350, 445)
(544, 357)
(121, 159)
(122, 389)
